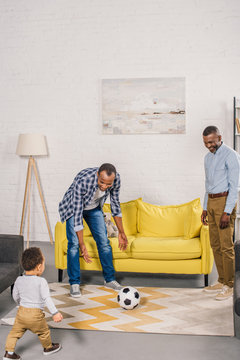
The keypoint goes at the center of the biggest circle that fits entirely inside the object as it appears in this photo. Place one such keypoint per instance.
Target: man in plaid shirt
(84, 200)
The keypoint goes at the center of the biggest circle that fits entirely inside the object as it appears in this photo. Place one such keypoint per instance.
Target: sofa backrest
(161, 221)
(169, 221)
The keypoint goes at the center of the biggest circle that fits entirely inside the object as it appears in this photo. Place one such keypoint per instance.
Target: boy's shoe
(113, 285)
(214, 288)
(55, 347)
(225, 294)
(11, 356)
(75, 290)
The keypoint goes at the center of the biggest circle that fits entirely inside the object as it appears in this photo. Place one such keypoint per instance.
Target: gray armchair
(236, 294)
(11, 249)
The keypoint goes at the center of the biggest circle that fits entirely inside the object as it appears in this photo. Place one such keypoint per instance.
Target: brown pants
(222, 240)
(29, 319)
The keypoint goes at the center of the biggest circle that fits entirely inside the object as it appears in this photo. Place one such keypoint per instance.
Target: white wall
(53, 55)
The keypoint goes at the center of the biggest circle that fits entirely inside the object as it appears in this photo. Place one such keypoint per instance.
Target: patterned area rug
(161, 310)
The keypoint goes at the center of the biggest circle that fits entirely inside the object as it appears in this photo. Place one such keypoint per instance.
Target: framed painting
(143, 106)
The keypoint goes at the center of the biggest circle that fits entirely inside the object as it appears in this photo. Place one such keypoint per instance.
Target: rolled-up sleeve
(114, 198)
(78, 207)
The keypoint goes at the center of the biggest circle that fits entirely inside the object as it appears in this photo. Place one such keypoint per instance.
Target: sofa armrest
(237, 278)
(60, 237)
(237, 293)
(207, 254)
(11, 248)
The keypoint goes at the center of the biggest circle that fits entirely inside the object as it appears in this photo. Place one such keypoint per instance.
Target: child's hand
(57, 317)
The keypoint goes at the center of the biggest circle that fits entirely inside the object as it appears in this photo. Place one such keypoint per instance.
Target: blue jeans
(95, 220)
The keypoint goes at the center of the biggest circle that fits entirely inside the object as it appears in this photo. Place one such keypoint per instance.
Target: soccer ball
(128, 298)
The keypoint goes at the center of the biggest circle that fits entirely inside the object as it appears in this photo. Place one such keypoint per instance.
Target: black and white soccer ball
(128, 298)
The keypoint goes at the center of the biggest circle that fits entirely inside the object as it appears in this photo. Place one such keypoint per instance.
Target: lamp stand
(32, 164)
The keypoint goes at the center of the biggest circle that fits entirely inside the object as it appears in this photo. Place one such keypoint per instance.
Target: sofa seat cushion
(171, 248)
(93, 251)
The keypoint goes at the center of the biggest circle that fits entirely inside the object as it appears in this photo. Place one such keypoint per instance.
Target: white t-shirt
(95, 200)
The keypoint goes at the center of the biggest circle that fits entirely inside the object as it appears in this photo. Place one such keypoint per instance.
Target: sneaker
(75, 290)
(55, 347)
(11, 356)
(214, 288)
(113, 285)
(226, 293)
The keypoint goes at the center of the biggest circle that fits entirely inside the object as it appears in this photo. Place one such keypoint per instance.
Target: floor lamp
(31, 145)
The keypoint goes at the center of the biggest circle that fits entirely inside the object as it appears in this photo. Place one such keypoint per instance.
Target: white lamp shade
(31, 144)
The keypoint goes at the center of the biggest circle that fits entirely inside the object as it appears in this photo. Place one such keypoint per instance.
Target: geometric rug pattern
(161, 310)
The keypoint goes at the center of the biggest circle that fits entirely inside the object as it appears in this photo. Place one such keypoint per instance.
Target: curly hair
(211, 130)
(31, 258)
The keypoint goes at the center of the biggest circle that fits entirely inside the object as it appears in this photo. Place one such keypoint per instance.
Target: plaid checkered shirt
(80, 194)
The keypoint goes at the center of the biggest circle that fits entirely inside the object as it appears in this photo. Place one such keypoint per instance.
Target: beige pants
(29, 319)
(222, 240)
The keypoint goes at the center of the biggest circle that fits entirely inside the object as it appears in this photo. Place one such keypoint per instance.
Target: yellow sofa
(161, 239)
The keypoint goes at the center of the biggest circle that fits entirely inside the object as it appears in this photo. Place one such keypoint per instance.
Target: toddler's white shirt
(31, 291)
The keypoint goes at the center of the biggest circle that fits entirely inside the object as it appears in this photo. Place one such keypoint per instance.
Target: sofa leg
(60, 275)
(206, 280)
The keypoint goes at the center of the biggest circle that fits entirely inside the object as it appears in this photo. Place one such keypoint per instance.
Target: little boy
(31, 293)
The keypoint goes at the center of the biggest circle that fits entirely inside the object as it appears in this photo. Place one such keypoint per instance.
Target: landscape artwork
(143, 106)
